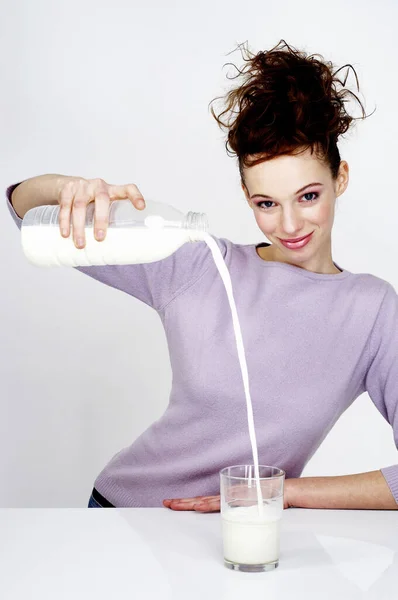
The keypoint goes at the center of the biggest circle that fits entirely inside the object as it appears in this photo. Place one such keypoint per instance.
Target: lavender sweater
(314, 343)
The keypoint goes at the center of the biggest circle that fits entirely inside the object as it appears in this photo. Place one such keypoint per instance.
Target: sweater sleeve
(157, 283)
(381, 378)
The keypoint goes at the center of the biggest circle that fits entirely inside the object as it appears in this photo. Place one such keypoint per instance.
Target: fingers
(101, 211)
(194, 499)
(79, 210)
(130, 191)
(65, 202)
(77, 194)
(198, 503)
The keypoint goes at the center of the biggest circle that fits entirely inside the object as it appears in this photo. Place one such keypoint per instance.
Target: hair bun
(288, 100)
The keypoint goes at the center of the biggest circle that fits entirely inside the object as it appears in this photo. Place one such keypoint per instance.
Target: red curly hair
(288, 102)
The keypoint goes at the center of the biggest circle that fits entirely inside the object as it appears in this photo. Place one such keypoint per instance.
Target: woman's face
(286, 207)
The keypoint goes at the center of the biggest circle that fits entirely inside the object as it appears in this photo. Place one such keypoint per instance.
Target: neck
(326, 265)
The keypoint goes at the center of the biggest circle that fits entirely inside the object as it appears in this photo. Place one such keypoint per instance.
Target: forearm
(37, 191)
(360, 491)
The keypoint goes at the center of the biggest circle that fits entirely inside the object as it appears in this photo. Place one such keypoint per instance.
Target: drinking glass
(250, 529)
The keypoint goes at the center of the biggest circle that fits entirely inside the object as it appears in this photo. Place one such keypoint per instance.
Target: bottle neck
(197, 223)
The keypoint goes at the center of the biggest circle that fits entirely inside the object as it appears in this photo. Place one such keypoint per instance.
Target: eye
(313, 194)
(264, 202)
(316, 194)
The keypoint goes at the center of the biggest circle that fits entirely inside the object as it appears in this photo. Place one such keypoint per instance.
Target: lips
(296, 239)
(298, 243)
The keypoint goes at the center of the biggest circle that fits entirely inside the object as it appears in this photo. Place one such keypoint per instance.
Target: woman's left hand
(212, 503)
(199, 503)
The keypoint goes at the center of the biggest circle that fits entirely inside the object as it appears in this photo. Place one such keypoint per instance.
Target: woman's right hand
(74, 197)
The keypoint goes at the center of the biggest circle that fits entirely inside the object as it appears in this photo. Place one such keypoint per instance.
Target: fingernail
(80, 243)
(199, 505)
(64, 232)
(100, 235)
(141, 203)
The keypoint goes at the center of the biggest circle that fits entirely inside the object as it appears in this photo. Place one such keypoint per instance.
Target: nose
(291, 222)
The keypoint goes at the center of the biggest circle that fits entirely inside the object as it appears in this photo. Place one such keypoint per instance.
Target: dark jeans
(98, 501)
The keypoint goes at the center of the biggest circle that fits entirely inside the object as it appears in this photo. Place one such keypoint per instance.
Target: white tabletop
(156, 553)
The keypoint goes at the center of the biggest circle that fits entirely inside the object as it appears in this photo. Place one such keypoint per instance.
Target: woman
(316, 335)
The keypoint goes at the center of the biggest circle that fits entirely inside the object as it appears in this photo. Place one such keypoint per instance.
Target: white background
(120, 90)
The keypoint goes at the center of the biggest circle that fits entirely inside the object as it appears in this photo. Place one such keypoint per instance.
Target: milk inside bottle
(133, 236)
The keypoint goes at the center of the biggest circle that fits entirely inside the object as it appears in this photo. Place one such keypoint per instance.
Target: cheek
(323, 215)
(267, 223)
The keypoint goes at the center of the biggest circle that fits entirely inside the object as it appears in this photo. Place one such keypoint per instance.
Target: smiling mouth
(296, 239)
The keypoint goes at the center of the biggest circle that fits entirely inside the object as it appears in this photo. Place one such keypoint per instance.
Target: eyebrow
(298, 191)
